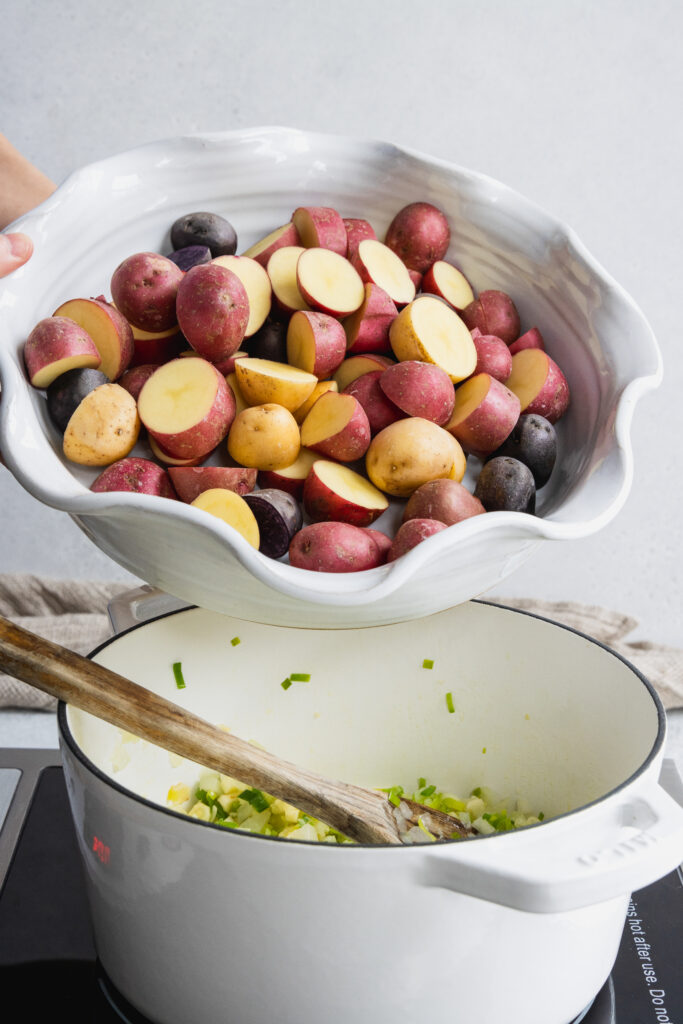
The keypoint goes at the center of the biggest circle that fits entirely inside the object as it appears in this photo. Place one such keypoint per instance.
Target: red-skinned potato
(261, 251)
(356, 230)
(320, 226)
(256, 282)
(290, 478)
(334, 547)
(449, 283)
(495, 313)
(55, 346)
(328, 282)
(530, 339)
(419, 389)
(338, 427)
(493, 355)
(485, 412)
(321, 387)
(281, 269)
(139, 476)
(135, 379)
(334, 492)
(382, 541)
(379, 410)
(109, 330)
(157, 348)
(187, 407)
(227, 366)
(412, 533)
(316, 343)
(377, 264)
(171, 460)
(420, 235)
(144, 288)
(447, 501)
(213, 310)
(189, 481)
(356, 365)
(539, 384)
(367, 330)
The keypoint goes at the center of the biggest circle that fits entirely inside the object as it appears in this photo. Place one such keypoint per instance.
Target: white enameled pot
(196, 923)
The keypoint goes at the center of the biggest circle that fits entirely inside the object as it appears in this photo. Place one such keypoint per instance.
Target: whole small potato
(144, 288)
(139, 476)
(533, 441)
(103, 428)
(444, 500)
(207, 229)
(494, 313)
(420, 235)
(264, 437)
(506, 485)
(213, 310)
(407, 454)
(334, 547)
(412, 533)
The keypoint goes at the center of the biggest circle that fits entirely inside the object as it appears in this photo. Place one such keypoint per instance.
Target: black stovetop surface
(48, 962)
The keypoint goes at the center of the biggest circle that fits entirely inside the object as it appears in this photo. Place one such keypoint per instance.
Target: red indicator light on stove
(101, 849)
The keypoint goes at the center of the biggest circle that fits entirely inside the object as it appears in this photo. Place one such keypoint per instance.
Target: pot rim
(67, 737)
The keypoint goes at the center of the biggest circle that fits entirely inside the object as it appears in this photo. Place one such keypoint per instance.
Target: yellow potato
(104, 427)
(232, 509)
(264, 381)
(264, 437)
(408, 453)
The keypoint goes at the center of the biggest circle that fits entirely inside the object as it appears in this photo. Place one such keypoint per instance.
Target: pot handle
(562, 870)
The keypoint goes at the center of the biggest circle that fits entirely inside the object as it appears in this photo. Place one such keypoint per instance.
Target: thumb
(15, 250)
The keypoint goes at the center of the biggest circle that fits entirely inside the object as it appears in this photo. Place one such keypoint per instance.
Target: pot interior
(540, 711)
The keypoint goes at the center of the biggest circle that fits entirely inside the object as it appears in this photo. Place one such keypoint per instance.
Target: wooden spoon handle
(359, 813)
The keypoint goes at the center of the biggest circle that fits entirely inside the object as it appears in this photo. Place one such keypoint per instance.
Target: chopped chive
(300, 677)
(449, 703)
(483, 750)
(428, 663)
(428, 791)
(178, 675)
(256, 798)
(421, 782)
(286, 683)
(235, 641)
(541, 815)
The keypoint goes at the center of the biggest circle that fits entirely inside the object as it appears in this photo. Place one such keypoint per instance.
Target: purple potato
(506, 485)
(278, 516)
(207, 229)
(190, 256)
(67, 392)
(533, 441)
(269, 342)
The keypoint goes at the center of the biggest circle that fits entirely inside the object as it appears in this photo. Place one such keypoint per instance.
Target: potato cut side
(301, 466)
(282, 273)
(108, 336)
(48, 373)
(328, 417)
(384, 268)
(232, 509)
(451, 284)
(529, 373)
(263, 380)
(140, 335)
(329, 282)
(301, 342)
(469, 397)
(350, 486)
(355, 366)
(278, 239)
(178, 395)
(257, 286)
(318, 391)
(170, 460)
(430, 330)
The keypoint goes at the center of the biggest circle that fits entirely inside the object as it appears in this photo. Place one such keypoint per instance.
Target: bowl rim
(68, 740)
(329, 588)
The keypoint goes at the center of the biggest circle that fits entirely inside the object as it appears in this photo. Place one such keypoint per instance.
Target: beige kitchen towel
(74, 614)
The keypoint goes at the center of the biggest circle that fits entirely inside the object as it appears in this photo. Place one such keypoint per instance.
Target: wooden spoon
(362, 814)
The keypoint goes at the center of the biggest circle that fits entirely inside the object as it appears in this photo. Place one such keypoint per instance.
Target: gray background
(575, 104)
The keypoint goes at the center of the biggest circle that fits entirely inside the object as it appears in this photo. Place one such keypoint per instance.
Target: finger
(15, 250)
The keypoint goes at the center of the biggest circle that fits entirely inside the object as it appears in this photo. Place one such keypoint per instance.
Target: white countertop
(572, 104)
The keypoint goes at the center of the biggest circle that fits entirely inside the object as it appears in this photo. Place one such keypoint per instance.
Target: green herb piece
(300, 677)
(178, 675)
(286, 683)
(394, 793)
(483, 750)
(210, 799)
(428, 663)
(476, 792)
(421, 782)
(235, 641)
(449, 703)
(226, 824)
(256, 798)
(541, 815)
(428, 791)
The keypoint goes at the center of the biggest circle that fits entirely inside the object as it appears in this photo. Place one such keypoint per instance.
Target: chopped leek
(178, 675)
(300, 677)
(235, 641)
(449, 703)
(428, 663)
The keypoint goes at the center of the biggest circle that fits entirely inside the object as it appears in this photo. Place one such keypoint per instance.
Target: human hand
(15, 250)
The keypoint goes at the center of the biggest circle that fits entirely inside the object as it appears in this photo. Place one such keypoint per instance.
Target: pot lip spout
(69, 745)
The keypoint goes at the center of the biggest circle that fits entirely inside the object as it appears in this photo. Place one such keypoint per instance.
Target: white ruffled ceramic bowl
(256, 178)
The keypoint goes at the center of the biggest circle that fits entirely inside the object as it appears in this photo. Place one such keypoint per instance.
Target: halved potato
(263, 381)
